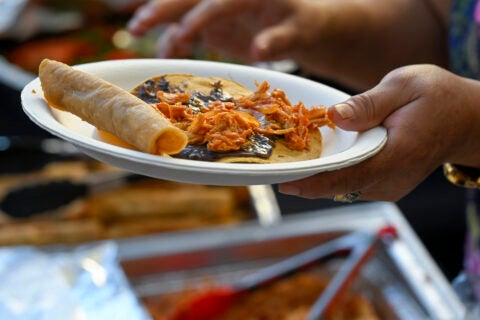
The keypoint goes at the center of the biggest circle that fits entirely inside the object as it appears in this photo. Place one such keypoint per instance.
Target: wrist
(465, 143)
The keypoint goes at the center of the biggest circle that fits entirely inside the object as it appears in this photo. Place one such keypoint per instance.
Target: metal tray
(402, 279)
(21, 155)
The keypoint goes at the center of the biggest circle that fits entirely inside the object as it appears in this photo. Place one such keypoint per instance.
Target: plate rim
(30, 91)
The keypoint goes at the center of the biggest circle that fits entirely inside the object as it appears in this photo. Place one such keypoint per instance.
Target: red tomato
(121, 54)
(29, 55)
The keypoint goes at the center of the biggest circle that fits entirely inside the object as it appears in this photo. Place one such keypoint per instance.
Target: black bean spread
(259, 145)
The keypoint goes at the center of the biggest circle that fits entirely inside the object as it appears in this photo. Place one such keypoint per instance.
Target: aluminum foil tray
(402, 280)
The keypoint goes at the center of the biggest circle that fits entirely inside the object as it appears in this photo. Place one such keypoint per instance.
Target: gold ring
(347, 197)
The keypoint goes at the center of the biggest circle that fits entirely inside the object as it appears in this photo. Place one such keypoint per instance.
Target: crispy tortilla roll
(49, 232)
(109, 108)
(148, 200)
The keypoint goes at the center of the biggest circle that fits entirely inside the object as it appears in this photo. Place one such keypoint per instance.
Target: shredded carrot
(226, 126)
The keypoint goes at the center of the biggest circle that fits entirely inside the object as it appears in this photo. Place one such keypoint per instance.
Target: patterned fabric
(472, 243)
(464, 40)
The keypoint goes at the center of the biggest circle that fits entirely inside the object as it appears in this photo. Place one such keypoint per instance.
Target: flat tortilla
(282, 153)
(109, 108)
(191, 83)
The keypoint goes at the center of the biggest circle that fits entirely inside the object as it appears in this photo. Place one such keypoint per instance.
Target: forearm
(368, 38)
(463, 166)
(467, 149)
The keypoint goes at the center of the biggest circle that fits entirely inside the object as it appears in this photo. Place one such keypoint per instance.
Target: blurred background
(83, 31)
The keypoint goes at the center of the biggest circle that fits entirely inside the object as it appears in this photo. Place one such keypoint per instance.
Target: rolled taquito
(109, 108)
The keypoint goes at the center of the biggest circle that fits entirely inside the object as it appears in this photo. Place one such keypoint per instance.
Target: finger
(359, 178)
(370, 109)
(328, 184)
(207, 11)
(157, 12)
(168, 47)
(272, 42)
(365, 194)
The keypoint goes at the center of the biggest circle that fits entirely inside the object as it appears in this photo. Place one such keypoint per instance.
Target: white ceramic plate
(341, 148)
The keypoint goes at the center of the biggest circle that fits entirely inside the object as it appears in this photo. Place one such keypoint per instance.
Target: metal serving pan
(402, 279)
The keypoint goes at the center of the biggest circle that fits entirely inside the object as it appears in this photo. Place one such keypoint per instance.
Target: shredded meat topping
(226, 126)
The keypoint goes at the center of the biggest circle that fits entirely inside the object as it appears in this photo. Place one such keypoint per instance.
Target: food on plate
(191, 117)
(109, 108)
(226, 122)
(286, 299)
(142, 207)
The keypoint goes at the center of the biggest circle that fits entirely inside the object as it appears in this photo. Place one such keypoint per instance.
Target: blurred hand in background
(352, 42)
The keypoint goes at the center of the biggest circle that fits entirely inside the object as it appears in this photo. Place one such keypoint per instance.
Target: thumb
(272, 42)
(370, 108)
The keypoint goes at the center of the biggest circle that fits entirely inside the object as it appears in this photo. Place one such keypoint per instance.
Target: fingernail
(131, 24)
(345, 111)
(260, 49)
(144, 13)
(289, 189)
